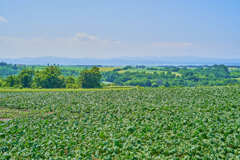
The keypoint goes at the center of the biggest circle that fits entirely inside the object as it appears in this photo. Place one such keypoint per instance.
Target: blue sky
(133, 28)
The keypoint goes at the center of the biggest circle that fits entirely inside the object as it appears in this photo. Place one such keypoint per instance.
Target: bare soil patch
(5, 119)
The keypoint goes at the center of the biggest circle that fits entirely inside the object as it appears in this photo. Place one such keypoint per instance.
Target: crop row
(160, 123)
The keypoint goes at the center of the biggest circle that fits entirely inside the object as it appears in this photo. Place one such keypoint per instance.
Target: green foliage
(70, 82)
(90, 78)
(216, 75)
(11, 81)
(9, 69)
(26, 78)
(50, 77)
(143, 123)
(157, 76)
(1, 83)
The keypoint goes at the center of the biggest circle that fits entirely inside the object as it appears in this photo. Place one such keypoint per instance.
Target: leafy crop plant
(141, 123)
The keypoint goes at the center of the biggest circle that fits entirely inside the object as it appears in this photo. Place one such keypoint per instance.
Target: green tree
(167, 84)
(11, 81)
(25, 78)
(70, 82)
(50, 77)
(1, 83)
(90, 78)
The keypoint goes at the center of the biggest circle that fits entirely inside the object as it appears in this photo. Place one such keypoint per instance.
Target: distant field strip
(64, 89)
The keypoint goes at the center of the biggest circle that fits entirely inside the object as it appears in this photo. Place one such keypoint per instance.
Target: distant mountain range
(151, 61)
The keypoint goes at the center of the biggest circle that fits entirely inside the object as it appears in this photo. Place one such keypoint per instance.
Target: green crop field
(138, 123)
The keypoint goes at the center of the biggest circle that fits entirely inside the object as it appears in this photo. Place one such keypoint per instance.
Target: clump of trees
(90, 78)
(51, 77)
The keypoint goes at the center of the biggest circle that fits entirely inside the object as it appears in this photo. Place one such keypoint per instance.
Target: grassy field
(147, 71)
(107, 69)
(140, 123)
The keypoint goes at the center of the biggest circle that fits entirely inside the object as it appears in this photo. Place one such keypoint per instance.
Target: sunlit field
(136, 123)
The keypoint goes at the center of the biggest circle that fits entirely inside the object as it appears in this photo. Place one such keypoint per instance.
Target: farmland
(14, 76)
(138, 123)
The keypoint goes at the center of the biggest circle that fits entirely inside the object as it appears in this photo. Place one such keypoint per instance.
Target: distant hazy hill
(122, 61)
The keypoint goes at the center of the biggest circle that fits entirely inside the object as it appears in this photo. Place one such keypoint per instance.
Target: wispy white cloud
(172, 44)
(79, 45)
(93, 39)
(88, 45)
(78, 39)
(3, 20)
(85, 37)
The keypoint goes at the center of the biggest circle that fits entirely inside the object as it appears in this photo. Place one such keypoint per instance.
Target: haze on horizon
(108, 29)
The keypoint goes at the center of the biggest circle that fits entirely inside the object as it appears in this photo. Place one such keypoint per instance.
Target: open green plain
(139, 123)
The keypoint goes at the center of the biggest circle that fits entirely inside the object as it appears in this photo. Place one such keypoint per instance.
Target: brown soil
(5, 119)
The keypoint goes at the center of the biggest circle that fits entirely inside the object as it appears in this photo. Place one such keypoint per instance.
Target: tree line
(51, 77)
(22, 76)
